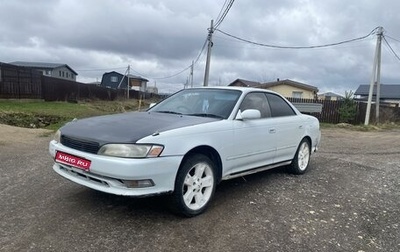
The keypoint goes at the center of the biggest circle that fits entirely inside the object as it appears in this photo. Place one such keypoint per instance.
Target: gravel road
(348, 201)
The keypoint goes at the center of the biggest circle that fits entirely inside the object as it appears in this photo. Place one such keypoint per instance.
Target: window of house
(114, 78)
(48, 72)
(59, 73)
(297, 94)
(72, 76)
(67, 74)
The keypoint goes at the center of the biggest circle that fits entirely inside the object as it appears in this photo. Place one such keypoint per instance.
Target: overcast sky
(160, 38)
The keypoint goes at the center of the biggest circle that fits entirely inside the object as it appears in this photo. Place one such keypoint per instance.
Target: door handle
(272, 131)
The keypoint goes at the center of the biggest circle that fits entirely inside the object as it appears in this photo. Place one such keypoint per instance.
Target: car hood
(128, 127)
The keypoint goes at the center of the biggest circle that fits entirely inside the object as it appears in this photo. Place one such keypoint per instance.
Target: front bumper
(108, 174)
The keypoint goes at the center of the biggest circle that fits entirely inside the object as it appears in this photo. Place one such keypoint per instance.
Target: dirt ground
(13, 136)
(349, 200)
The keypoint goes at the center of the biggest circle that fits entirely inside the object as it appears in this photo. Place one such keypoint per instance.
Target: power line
(391, 49)
(161, 78)
(221, 16)
(298, 47)
(181, 71)
(201, 51)
(100, 69)
(392, 38)
(173, 75)
(220, 12)
(228, 42)
(228, 7)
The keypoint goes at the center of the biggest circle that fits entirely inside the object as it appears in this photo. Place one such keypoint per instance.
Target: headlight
(131, 150)
(57, 136)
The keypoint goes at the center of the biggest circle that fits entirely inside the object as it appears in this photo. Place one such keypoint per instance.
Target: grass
(361, 127)
(52, 115)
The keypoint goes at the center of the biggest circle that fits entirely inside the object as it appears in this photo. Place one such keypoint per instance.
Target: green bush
(348, 109)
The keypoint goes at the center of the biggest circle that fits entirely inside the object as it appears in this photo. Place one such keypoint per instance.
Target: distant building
(287, 88)
(330, 96)
(244, 83)
(116, 80)
(389, 94)
(153, 90)
(55, 70)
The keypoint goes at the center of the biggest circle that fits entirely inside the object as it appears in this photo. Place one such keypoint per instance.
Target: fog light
(138, 183)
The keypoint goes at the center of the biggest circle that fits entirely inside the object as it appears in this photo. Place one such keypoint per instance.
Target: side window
(114, 79)
(297, 94)
(256, 101)
(279, 107)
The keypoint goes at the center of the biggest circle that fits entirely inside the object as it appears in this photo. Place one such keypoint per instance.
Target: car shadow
(158, 206)
(125, 205)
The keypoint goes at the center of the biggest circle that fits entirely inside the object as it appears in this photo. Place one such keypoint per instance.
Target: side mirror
(249, 114)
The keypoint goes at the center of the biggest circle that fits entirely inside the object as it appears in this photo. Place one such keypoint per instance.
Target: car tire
(194, 186)
(301, 159)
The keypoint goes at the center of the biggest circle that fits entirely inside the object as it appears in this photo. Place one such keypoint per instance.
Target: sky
(159, 39)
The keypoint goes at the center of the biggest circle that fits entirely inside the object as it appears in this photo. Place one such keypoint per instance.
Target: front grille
(79, 144)
(85, 176)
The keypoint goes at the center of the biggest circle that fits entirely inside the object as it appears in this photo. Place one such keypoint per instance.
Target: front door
(255, 138)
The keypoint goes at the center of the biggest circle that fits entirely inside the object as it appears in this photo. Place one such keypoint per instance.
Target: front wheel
(302, 158)
(194, 186)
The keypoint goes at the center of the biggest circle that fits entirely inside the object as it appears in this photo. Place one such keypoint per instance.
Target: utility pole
(127, 86)
(210, 44)
(378, 76)
(375, 78)
(191, 74)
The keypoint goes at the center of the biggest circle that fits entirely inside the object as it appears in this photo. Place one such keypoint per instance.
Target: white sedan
(186, 144)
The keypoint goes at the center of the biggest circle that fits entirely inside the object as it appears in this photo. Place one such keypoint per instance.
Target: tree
(348, 109)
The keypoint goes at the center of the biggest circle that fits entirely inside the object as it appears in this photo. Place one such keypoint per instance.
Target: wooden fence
(330, 111)
(65, 90)
(24, 83)
(19, 82)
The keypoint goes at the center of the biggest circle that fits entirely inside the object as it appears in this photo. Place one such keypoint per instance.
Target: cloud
(161, 38)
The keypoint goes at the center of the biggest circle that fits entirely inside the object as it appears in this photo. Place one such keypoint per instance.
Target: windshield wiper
(206, 115)
(168, 112)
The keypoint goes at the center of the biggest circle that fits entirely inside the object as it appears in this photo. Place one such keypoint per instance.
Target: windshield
(217, 103)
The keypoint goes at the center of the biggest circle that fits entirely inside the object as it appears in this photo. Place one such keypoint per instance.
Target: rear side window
(279, 107)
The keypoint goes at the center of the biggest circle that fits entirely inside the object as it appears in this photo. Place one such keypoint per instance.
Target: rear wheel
(301, 160)
(194, 186)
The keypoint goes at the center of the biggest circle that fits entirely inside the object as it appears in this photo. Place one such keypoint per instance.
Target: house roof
(388, 91)
(290, 83)
(246, 83)
(41, 65)
(131, 76)
(6, 64)
(331, 94)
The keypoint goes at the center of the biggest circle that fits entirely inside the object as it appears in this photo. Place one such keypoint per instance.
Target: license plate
(72, 160)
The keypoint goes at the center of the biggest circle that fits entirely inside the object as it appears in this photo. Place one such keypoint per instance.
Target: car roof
(243, 89)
